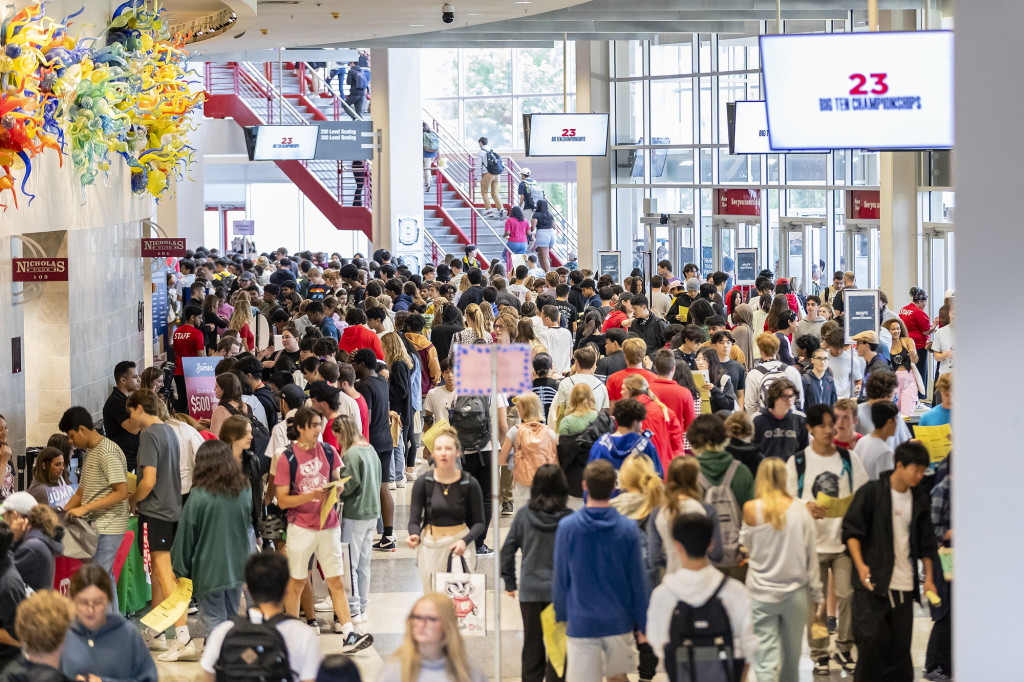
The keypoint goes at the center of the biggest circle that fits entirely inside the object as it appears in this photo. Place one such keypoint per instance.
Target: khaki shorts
(591, 658)
(304, 543)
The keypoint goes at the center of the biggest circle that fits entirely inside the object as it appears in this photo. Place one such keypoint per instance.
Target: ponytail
(637, 473)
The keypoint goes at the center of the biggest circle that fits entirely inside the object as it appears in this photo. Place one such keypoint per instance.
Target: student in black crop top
(446, 514)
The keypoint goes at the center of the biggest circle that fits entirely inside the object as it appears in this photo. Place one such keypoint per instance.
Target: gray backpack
(730, 516)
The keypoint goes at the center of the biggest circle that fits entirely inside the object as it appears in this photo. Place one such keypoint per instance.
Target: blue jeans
(106, 551)
(398, 463)
(217, 607)
(517, 247)
(359, 536)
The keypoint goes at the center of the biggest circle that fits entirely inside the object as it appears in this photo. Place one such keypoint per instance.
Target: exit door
(860, 252)
(937, 257)
(803, 246)
(730, 233)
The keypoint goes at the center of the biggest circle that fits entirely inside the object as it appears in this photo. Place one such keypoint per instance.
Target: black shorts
(385, 457)
(160, 533)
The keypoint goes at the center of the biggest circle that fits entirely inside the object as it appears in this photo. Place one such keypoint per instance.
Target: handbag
(80, 537)
(395, 423)
(468, 594)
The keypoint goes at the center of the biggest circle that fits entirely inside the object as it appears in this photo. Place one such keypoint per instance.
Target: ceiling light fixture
(336, 15)
(415, 25)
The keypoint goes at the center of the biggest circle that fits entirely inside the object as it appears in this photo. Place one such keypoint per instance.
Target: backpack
(316, 292)
(470, 418)
(431, 142)
(700, 644)
(357, 80)
(533, 448)
(770, 377)
(574, 450)
(494, 165)
(533, 192)
(720, 400)
(293, 463)
(254, 651)
(730, 516)
(260, 436)
(800, 460)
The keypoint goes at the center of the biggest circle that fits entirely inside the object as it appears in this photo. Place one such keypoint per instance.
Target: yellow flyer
(133, 483)
(938, 440)
(555, 640)
(332, 498)
(835, 507)
(171, 609)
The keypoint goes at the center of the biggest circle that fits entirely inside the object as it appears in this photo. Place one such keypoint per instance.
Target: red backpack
(533, 448)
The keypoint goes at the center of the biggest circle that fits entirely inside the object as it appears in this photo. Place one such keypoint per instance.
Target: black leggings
(478, 465)
(536, 667)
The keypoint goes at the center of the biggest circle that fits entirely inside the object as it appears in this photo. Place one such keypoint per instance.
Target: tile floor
(395, 586)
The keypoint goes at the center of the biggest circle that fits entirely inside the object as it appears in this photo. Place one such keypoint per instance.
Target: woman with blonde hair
(580, 413)
(400, 367)
(506, 327)
(476, 329)
(432, 648)
(683, 495)
(782, 574)
(530, 443)
(242, 321)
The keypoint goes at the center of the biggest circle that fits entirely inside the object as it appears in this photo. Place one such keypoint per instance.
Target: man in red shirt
(634, 351)
(187, 342)
(357, 335)
(677, 399)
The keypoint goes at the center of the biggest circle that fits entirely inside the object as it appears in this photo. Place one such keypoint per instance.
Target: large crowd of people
(702, 476)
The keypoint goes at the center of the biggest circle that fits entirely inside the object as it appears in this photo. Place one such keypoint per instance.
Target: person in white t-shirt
(840, 358)
(822, 468)
(873, 450)
(942, 346)
(440, 398)
(583, 366)
(266, 579)
(558, 341)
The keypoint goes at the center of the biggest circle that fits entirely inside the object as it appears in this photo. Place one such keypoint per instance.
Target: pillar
(898, 226)
(987, 600)
(398, 166)
(593, 177)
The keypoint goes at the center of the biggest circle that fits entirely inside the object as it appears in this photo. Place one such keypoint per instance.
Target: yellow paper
(705, 397)
(938, 440)
(555, 639)
(835, 507)
(133, 483)
(167, 612)
(332, 499)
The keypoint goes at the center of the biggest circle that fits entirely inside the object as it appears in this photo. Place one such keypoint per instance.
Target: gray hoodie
(534, 533)
(35, 558)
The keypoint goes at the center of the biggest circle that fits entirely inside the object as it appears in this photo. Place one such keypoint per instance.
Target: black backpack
(293, 463)
(254, 652)
(494, 166)
(699, 647)
(574, 450)
(471, 419)
(260, 436)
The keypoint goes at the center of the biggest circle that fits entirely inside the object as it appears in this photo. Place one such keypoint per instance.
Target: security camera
(448, 13)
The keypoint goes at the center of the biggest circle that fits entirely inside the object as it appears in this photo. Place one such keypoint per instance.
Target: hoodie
(616, 448)
(780, 438)
(747, 453)
(714, 464)
(695, 588)
(22, 670)
(35, 558)
(430, 367)
(600, 587)
(534, 533)
(114, 653)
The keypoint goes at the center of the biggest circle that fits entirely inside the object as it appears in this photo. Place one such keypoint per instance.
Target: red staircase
(246, 92)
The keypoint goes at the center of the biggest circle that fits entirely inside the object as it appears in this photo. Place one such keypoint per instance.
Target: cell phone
(278, 342)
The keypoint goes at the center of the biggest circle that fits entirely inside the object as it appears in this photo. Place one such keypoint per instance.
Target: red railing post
(472, 224)
(433, 251)
(302, 78)
(472, 185)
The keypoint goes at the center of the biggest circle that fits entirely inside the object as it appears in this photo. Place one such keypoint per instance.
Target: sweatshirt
(599, 586)
(23, 670)
(714, 465)
(35, 558)
(432, 671)
(780, 438)
(782, 561)
(695, 588)
(534, 533)
(211, 544)
(361, 495)
(114, 653)
(616, 448)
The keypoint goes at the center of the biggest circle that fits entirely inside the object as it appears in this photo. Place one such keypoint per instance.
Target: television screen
(748, 130)
(565, 134)
(859, 90)
(281, 143)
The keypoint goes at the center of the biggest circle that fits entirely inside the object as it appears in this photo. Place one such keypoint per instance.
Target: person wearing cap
(920, 327)
(679, 310)
(36, 548)
(527, 197)
(867, 349)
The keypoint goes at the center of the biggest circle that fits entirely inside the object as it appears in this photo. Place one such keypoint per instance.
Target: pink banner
(473, 368)
(200, 385)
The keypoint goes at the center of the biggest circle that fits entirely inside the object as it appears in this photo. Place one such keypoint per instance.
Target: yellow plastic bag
(555, 639)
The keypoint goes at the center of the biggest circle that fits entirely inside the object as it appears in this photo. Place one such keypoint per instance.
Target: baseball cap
(867, 337)
(949, 293)
(524, 171)
(693, 284)
(21, 502)
(781, 280)
(246, 276)
(293, 395)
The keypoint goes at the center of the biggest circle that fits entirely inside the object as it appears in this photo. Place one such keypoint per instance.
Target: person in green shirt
(211, 545)
(360, 496)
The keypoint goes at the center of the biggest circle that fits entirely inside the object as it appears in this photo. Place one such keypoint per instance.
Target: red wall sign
(739, 202)
(163, 248)
(865, 204)
(40, 269)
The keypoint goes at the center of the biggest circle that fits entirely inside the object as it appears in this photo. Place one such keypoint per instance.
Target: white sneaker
(359, 619)
(315, 627)
(392, 485)
(158, 643)
(400, 484)
(337, 627)
(410, 474)
(324, 604)
(181, 652)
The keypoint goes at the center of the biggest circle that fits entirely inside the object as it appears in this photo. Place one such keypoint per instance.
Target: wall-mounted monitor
(281, 143)
(748, 130)
(859, 90)
(565, 134)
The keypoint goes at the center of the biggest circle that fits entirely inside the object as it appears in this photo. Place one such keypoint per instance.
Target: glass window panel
(730, 89)
(629, 109)
(540, 70)
(773, 168)
(490, 118)
(806, 202)
(732, 55)
(706, 169)
(704, 63)
(672, 166)
(668, 60)
(488, 72)
(672, 111)
(628, 58)
(865, 167)
(446, 112)
(806, 168)
(674, 200)
(734, 168)
(551, 104)
(442, 78)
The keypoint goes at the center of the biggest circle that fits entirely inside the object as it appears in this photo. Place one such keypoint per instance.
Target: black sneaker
(385, 544)
(831, 624)
(821, 667)
(845, 661)
(507, 509)
(484, 550)
(356, 642)
(937, 675)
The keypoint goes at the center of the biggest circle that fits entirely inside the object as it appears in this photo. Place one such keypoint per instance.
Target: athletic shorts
(160, 533)
(591, 658)
(545, 238)
(303, 543)
(385, 463)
